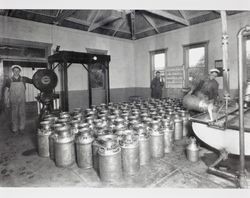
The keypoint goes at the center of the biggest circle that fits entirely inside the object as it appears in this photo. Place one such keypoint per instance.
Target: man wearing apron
(15, 93)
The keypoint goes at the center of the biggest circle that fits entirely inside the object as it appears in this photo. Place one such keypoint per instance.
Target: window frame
(187, 47)
(152, 53)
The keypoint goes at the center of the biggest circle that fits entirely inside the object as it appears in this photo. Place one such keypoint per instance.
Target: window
(196, 57)
(195, 61)
(248, 57)
(158, 62)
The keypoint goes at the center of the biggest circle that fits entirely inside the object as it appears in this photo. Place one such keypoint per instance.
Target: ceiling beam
(63, 15)
(58, 12)
(169, 16)
(216, 11)
(132, 18)
(105, 21)
(184, 15)
(9, 12)
(151, 22)
(93, 21)
(122, 21)
(83, 22)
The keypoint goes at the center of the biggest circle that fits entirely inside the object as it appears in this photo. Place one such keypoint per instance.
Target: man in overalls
(15, 96)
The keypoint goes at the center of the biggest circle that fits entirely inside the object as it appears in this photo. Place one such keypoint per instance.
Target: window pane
(197, 57)
(248, 51)
(159, 61)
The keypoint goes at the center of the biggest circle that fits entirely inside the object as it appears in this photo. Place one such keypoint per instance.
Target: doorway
(98, 78)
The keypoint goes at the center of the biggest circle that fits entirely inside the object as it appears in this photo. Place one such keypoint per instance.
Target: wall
(129, 66)
(122, 69)
(174, 40)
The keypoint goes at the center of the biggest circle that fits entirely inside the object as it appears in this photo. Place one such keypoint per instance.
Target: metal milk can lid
(192, 145)
(129, 140)
(84, 137)
(109, 147)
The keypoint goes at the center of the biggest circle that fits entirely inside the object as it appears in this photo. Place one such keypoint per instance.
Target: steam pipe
(226, 86)
(241, 100)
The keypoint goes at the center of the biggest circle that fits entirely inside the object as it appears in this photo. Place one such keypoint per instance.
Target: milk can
(64, 147)
(51, 118)
(110, 166)
(178, 127)
(168, 135)
(144, 144)
(192, 150)
(156, 140)
(119, 125)
(185, 121)
(98, 142)
(43, 138)
(130, 154)
(65, 115)
(74, 126)
(52, 140)
(63, 121)
(83, 142)
(77, 116)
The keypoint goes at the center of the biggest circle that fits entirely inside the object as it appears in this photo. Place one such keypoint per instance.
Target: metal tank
(156, 140)
(43, 138)
(130, 154)
(64, 147)
(110, 166)
(83, 141)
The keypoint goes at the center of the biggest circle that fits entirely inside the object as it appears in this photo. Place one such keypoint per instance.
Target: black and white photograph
(125, 97)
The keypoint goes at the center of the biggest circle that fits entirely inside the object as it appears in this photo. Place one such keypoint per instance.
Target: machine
(45, 80)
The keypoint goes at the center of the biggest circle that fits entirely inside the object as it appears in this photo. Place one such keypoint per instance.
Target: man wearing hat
(208, 89)
(15, 94)
(156, 86)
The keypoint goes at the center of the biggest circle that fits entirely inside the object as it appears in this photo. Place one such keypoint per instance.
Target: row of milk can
(113, 138)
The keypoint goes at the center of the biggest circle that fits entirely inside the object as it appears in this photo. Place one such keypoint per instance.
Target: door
(97, 75)
(97, 78)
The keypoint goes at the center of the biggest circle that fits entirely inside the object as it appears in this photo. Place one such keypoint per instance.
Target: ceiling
(127, 24)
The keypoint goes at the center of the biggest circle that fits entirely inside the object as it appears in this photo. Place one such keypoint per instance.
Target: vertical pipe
(226, 86)
(241, 98)
(108, 83)
(65, 87)
(89, 85)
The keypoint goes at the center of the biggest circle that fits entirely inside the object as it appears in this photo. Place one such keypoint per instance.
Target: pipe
(241, 101)
(223, 174)
(225, 53)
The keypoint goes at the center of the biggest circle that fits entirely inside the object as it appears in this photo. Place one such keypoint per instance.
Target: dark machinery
(64, 59)
(45, 80)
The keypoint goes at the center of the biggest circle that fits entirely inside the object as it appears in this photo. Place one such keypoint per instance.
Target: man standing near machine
(15, 98)
(203, 95)
(156, 86)
(207, 89)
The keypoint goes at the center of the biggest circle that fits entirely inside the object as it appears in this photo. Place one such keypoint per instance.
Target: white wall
(209, 31)
(129, 66)
(122, 51)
